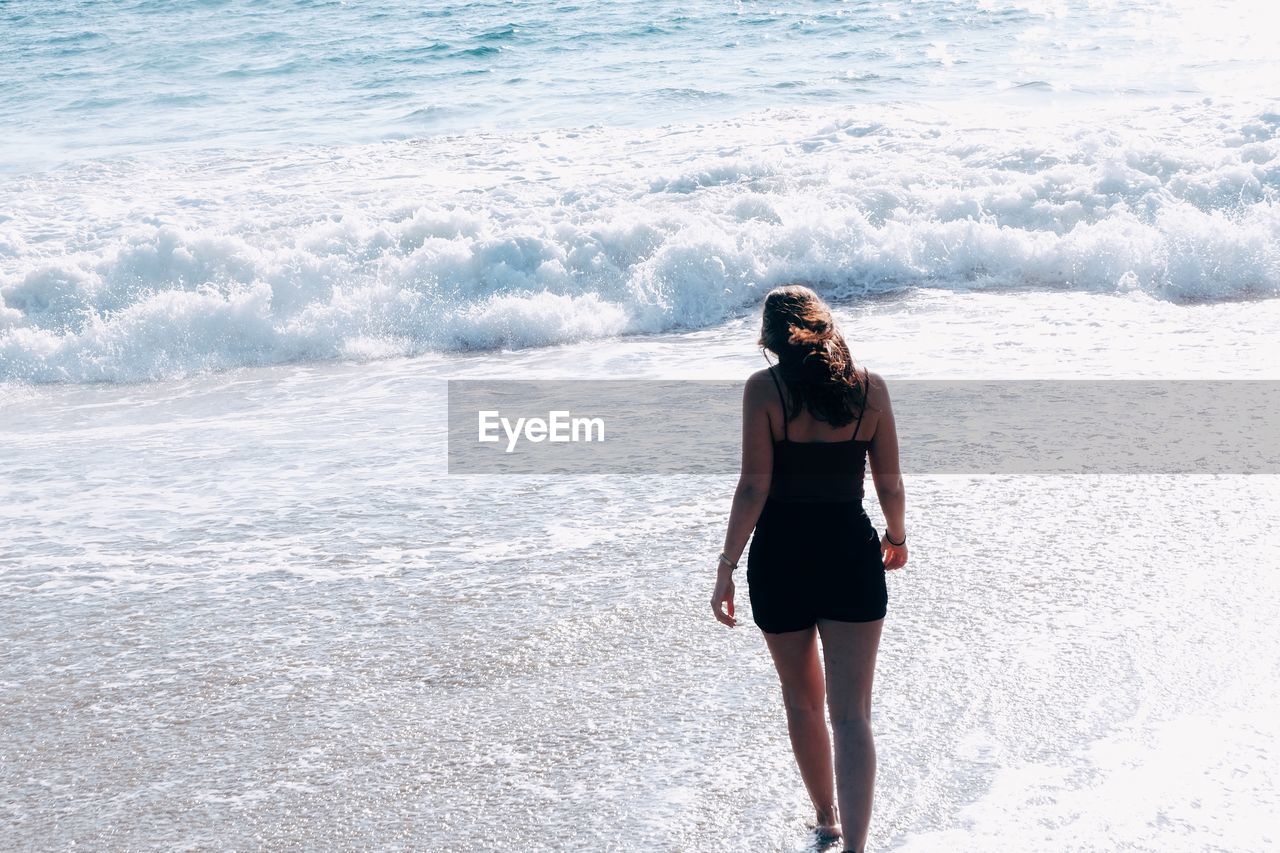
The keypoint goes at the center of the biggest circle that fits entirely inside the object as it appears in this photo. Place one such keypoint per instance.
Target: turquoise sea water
(199, 186)
(85, 78)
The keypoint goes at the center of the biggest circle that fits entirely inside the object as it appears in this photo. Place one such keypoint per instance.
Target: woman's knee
(803, 699)
(852, 716)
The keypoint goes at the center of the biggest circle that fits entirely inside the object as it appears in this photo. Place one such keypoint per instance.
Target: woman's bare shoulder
(877, 390)
(759, 382)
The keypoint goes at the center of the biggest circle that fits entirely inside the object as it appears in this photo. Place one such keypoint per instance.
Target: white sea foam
(138, 269)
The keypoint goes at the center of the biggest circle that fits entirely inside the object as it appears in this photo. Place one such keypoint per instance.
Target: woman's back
(818, 464)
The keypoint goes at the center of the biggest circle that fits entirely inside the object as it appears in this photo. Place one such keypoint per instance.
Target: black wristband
(889, 539)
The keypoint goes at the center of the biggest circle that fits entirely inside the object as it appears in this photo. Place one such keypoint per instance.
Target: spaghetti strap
(781, 397)
(866, 392)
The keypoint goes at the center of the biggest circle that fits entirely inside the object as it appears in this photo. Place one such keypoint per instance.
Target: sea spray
(201, 262)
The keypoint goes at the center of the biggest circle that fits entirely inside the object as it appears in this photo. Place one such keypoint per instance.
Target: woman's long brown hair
(813, 358)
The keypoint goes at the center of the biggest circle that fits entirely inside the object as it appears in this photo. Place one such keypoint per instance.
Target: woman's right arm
(886, 473)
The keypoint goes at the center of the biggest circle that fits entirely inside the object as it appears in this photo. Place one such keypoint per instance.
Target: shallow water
(251, 609)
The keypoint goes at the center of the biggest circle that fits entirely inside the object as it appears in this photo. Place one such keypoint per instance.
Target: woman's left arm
(752, 492)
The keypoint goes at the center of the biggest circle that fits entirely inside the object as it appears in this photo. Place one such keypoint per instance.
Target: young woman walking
(815, 571)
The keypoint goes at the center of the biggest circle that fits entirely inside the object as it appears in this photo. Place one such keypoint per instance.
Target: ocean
(244, 246)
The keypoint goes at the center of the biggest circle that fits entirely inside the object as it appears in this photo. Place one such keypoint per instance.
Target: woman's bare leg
(795, 654)
(849, 649)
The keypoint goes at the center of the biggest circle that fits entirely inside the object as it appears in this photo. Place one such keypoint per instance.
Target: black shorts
(811, 561)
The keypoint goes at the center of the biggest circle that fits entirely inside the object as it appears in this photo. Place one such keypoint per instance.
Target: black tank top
(818, 471)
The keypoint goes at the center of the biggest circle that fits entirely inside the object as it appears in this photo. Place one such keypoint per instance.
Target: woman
(816, 566)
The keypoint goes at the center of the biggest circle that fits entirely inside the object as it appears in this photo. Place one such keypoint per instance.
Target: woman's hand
(894, 556)
(723, 595)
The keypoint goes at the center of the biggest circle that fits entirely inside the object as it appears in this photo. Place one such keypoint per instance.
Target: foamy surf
(142, 268)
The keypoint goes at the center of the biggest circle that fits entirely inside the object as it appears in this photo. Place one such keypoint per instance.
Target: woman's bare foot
(826, 830)
(826, 836)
